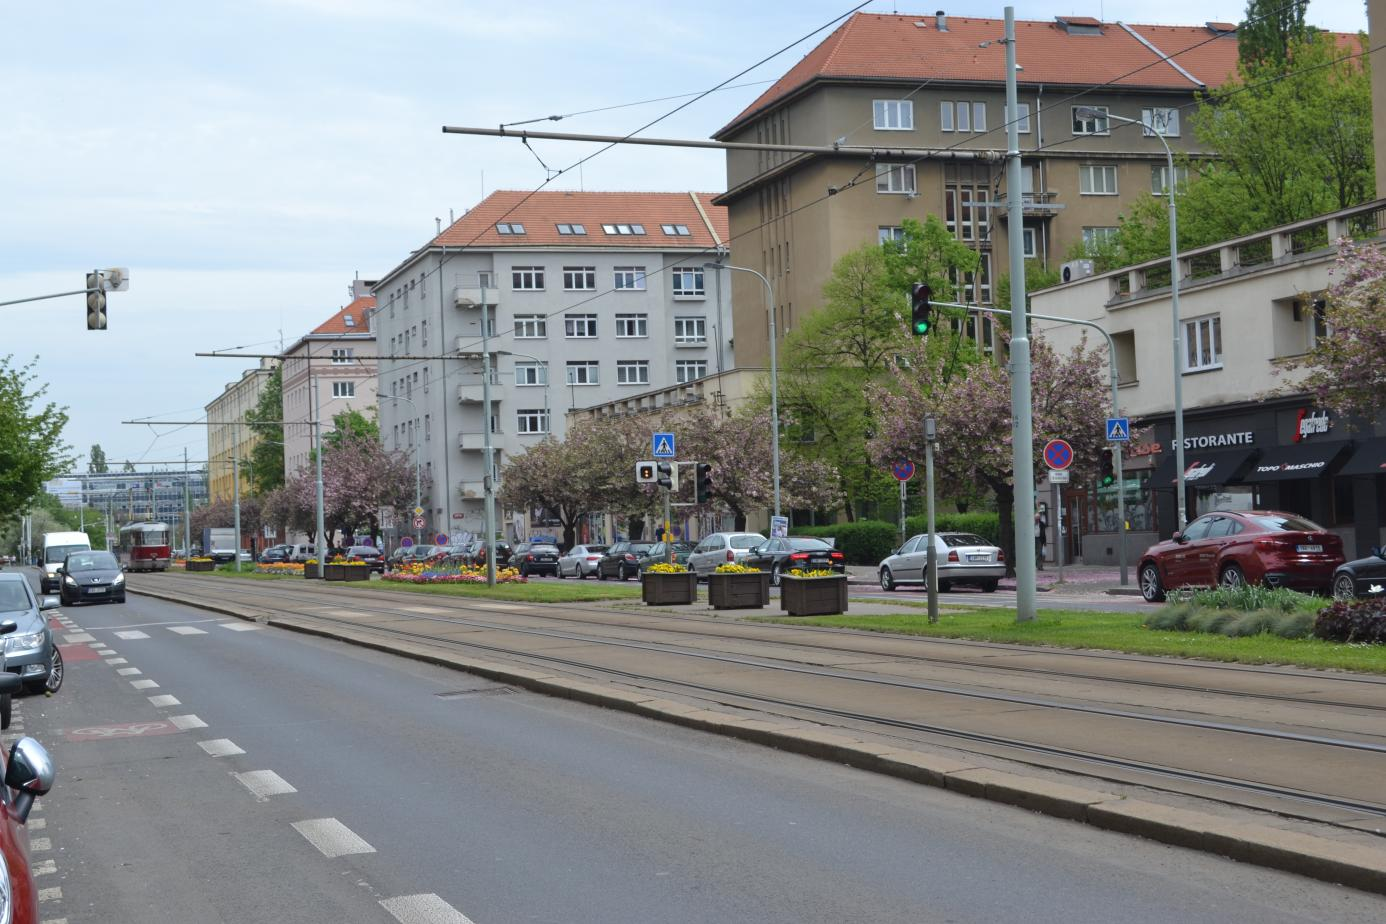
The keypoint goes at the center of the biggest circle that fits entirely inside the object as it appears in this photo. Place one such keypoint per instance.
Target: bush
(1250, 597)
(864, 542)
(1187, 615)
(986, 525)
(1353, 621)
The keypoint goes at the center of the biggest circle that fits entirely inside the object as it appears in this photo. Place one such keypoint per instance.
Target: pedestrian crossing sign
(1118, 429)
(662, 446)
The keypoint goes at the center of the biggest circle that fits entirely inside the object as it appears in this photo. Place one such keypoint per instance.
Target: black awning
(1307, 459)
(1202, 467)
(1368, 459)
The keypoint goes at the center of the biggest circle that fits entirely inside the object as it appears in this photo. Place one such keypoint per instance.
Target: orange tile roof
(356, 311)
(540, 213)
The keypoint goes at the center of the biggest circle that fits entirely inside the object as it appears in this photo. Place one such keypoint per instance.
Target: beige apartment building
(228, 437)
(937, 82)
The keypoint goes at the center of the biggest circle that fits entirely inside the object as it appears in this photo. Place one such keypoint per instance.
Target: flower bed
(813, 593)
(199, 564)
(734, 586)
(417, 573)
(664, 584)
(291, 568)
(346, 571)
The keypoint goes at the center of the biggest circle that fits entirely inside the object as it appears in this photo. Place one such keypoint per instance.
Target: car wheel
(990, 586)
(579, 573)
(601, 575)
(1152, 588)
(887, 580)
(55, 672)
(1344, 587)
(6, 710)
(775, 575)
(523, 572)
(1232, 577)
(945, 586)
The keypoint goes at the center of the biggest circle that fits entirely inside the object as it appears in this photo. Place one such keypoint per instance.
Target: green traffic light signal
(920, 309)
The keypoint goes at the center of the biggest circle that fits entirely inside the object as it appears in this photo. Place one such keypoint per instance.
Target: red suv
(1238, 547)
(28, 774)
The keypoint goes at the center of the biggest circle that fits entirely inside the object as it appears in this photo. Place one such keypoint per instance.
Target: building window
(623, 229)
(1092, 124)
(582, 372)
(1029, 242)
(893, 115)
(1022, 123)
(1159, 178)
(964, 213)
(630, 278)
(580, 326)
(531, 374)
(513, 227)
(486, 279)
(1097, 179)
(676, 230)
(632, 372)
(531, 327)
(423, 333)
(887, 233)
(531, 420)
(690, 331)
(895, 178)
(962, 116)
(974, 288)
(1203, 344)
(344, 389)
(565, 229)
(342, 357)
(688, 281)
(632, 325)
(1096, 238)
(579, 278)
(527, 278)
(686, 370)
(1160, 122)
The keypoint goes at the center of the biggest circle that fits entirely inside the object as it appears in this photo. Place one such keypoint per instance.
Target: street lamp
(1158, 130)
(774, 372)
(418, 478)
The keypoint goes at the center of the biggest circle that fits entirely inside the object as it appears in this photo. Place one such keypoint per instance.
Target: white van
(55, 549)
(301, 552)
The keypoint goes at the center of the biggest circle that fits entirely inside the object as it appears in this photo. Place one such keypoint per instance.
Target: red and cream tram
(144, 547)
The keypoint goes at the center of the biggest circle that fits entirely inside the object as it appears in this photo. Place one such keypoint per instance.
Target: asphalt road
(441, 798)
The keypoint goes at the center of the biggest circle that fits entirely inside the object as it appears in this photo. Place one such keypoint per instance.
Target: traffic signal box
(645, 473)
(920, 310)
(703, 483)
(668, 477)
(1106, 470)
(96, 302)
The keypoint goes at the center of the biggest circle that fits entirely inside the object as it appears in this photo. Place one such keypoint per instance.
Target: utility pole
(236, 503)
(488, 480)
(187, 507)
(930, 437)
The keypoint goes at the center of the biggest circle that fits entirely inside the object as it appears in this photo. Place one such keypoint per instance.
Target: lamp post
(418, 477)
(1158, 130)
(774, 372)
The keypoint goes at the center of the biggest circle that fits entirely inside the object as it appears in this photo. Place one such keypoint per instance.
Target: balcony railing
(470, 297)
(473, 393)
(472, 440)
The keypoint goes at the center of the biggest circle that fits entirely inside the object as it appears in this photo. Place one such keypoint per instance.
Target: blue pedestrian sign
(1118, 429)
(662, 446)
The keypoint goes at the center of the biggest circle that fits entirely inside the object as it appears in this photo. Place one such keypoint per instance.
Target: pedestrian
(1041, 524)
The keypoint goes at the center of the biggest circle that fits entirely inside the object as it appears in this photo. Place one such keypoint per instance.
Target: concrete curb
(1263, 845)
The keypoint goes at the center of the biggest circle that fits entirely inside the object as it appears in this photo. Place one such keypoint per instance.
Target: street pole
(1022, 436)
(187, 507)
(902, 512)
(488, 479)
(236, 503)
(930, 436)
(666, 537)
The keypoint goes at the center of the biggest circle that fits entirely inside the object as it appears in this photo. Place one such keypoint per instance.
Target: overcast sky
(247, 159)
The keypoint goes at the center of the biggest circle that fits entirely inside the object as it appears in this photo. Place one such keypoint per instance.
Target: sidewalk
(1078, 579)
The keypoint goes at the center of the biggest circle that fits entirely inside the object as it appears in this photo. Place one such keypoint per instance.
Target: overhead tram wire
(643, 102)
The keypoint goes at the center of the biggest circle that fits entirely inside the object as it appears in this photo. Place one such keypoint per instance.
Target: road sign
(1058, 454)
(779, 527)
(406, 542)
(459, 516)
(903, 470)
(418, 511)
(1059, 476)
(1118, 429)
(418, 522)
(662, 446)
(441, 539)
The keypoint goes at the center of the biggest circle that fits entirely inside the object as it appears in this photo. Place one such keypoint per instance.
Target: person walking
(1041, 524)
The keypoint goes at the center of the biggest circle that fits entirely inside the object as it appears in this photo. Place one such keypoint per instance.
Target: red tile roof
(356, 311)
(540, 213)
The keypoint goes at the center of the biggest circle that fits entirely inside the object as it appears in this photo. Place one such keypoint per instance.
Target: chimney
(941, 20)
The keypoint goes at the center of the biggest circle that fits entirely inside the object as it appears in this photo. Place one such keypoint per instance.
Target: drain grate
(481, 691)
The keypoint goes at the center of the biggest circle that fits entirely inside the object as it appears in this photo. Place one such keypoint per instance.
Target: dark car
(91, 577)
(418, 553)
(656, 554)
(534, 558)
(1236, 547)
(780, 555)
(475, 553)
(28, 775)
(1361, 577)
(622, 560)
(368, 554)
(276, 553)
(30, 652)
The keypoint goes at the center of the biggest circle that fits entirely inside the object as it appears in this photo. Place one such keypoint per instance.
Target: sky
(246, 160)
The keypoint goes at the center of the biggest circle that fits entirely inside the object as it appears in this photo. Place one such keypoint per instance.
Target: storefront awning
(1368, 459)
(1202, 467)
(1297, 460)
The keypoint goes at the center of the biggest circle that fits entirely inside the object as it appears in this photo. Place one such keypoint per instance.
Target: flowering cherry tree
(360, 476)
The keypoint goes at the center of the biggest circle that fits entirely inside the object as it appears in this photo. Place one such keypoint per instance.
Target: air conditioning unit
(1075, 269)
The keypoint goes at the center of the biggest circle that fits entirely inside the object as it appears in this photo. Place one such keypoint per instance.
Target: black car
(276, 553)
(622, 560)
(1362, 577)
(475, 553)
(368, 554)
(534, 558)
(91, 577)
(780, 555)
(655, 554)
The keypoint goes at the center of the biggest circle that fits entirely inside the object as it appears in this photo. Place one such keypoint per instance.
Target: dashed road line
(331, 837)
(264, 783)
(143, 684)
(105, 652)
(187, 722)
(241, 626)
(44, 867)
(220, 747)
(187, 630)
(78, 638)
(131, 634)
(165, 700)
(116, 660)
(129, 671)
(36, 824)
(55, 894)
(40, 844)
(423, 909)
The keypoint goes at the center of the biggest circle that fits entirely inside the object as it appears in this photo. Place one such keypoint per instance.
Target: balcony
(469, 347)
(472, 490)
(472, 393)
(470, 297)
(472, 440)
(1032, 205)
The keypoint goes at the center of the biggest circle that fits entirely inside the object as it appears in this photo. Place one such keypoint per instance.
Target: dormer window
(1080, 25)
(676, 230)
(623, 229)
(348, 320)
(571, 229)
(513, 227)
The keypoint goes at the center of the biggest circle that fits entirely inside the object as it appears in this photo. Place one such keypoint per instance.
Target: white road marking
(54, 894)
(45, 867)
(241, 626)
(331, 837)
(423, 909)
(264, 783)
(164, 700)
(105, 652)
(129, 671)
(220, 747)
(187, 630)
(116, 661)
(40, 844)
(131, 634)
(501, 606)
(36, 824)
(187, 722)
(53, 921)
(77, 638)
(144, 684)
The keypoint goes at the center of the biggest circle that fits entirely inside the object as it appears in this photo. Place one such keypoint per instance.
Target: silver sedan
(963, 558)
(580, 561)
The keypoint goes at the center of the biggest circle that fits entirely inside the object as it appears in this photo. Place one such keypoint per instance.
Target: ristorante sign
(1242, 438)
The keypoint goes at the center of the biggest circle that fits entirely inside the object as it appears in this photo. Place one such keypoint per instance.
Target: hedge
(986, 525)
(864, 542)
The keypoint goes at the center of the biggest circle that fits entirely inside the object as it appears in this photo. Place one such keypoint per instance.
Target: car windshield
(597, 549)
(54, 554)
(363, 550)
(953, 540)
(640, 548)
(423, 550)
(1288, 523)
(92, 561)
(13, 596)
(746, 542)
(808, 544)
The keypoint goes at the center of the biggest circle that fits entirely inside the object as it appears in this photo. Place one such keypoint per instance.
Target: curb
(1308, 855)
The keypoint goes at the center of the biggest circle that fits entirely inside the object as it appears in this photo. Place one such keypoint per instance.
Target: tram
(144, 547)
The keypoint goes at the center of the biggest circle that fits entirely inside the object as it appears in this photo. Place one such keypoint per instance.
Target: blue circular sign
(1058, 454)
(902, 470)
(442, 538)
(406, 542)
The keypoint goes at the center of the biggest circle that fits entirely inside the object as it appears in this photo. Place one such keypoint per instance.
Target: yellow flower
(817, 572)
(733, 568)
(667, 568)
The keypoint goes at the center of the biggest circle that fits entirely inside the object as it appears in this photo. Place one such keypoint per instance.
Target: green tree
(348, 426)
(267, 458)
(31, 446)
(1271, 27)
(128, 466)
(97, 463)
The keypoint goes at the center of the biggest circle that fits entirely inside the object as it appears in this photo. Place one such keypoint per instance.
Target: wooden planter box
(820, 596)
(738, 591)
(332, 572)
(662, 589)
(200, 565)
(311, 571)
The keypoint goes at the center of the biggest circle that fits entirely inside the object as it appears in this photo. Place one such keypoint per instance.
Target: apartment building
(329, 370)
(1251, 439)
(936, 83)
(589, 296)
(228, 437)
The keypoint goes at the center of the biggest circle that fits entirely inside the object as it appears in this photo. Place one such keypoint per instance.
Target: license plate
(1304, 549)
(96, 590)
(979, 558)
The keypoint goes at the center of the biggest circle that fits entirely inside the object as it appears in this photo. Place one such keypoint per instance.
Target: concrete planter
(662, 589)
(311, 571)
(200, 565)
(818, 596)
(738, 591)
(339, 572)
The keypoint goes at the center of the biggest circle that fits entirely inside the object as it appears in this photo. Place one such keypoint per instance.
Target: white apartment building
(590, 297)
(228, 437)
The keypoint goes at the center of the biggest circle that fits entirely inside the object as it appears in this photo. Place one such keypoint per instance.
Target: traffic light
(668, 477)
(920, 309)
(645, 473)
(703, 484)
(96, 302)
(1106, 470)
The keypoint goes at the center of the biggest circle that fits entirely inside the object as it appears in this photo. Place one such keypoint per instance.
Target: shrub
(864, 542)
(1184, 614)
(986, 525)
(1250, 597)
(1353, 621)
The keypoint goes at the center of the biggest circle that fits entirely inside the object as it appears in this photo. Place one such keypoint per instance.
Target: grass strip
(519, 593)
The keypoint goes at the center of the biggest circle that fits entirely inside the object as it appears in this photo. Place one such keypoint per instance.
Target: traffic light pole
(930, 437)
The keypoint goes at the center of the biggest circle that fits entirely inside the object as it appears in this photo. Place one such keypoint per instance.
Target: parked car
(581, 560)
(91, 577)
(780, 555)
(622, 560)
(418, 553)
(720, 548)
(301, 552)
(962, 558)
(368, 554)
(475, 553)
(535, 558)
(276, 553)
(30, 652)
(1361, 577)
(28, 774)
(1236, 547)
(681, 551)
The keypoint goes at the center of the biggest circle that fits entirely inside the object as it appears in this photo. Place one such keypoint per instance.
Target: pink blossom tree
(569, 479)
(359, 477)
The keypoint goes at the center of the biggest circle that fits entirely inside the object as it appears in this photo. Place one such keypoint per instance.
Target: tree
(563, 478)
(128, 466)
(350, 425)
(96, 465)
(1271, 27)
(1070, 397)
(31, 446)
(267, 458)
(359, 477)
